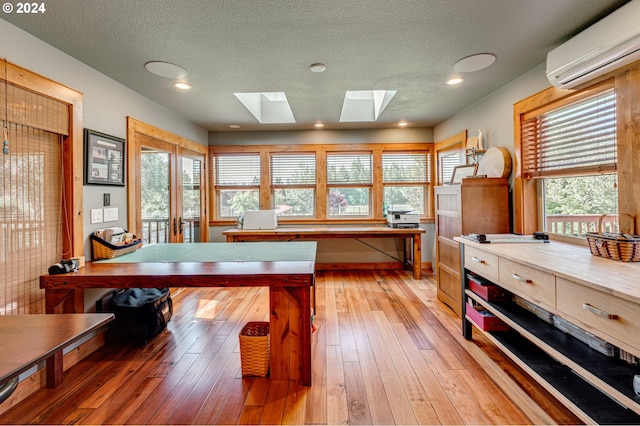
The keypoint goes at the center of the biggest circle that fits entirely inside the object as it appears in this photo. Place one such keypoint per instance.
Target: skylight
(365, 105)
(267, 107)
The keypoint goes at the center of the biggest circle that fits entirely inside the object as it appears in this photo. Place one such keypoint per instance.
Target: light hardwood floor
(385, 352)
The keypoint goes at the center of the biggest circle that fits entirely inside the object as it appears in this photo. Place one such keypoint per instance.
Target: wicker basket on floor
(621, 247)
(255, 349)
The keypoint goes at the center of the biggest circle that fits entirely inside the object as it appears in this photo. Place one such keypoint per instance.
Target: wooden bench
(27, 340)
(412, 236)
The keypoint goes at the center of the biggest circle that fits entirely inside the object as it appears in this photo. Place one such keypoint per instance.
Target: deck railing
(157, 230)
(577, 225)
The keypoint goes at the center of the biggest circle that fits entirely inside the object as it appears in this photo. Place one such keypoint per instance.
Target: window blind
(237, 170)
(31, 229)
(447, 164)
(293, 169)
(33, 109)
(349, 168)
(405, 167)
(578, 139)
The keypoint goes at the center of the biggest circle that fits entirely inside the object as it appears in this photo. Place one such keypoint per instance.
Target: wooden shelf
(588, 402)
(586, 380)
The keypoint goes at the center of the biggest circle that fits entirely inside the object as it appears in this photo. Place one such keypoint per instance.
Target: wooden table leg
(68, 301)
(417, 256)
(54, 369)
(290, 333)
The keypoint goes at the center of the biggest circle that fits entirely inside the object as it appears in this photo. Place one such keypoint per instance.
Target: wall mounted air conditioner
(606, 45)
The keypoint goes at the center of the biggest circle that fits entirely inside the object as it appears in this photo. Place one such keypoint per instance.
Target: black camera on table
(65, 265)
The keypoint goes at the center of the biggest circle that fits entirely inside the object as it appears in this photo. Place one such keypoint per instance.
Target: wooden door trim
(137, 129)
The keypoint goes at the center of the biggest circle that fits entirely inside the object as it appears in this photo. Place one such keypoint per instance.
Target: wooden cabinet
(478, 205)
(577, 332)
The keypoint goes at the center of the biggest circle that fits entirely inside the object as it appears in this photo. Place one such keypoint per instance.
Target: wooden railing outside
(157, 230)
(577, 225)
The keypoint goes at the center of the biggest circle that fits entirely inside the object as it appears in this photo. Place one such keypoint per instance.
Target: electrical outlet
(111, 215)
(96, 215)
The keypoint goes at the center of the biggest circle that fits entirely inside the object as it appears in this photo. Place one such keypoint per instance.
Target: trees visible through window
(349, 182)
(237, 184)
(322, 182)
(293, 183)
(405, 177)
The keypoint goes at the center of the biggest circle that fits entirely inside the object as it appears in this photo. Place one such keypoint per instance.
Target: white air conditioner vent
(608, 44)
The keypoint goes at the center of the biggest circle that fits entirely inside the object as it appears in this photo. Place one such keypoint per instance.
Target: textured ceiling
(230, 46)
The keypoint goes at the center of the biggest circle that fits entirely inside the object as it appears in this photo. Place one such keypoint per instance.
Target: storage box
(484, 319)
(255, 349)
(487, 290)
(260, 219)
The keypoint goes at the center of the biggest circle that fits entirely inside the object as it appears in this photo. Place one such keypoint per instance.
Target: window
(571, 151)
(293, 183)
(349, 183)
(447, 161)
(318, 183)
(405, 177)
(237, 184)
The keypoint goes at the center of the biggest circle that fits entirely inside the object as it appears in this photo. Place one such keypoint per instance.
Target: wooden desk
(412, 236)
(29, 339)
(287, 268)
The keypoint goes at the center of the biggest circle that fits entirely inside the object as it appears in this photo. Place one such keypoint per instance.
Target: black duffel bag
(140, 313)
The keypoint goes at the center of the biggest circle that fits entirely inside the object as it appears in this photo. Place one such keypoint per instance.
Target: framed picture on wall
(103, 159)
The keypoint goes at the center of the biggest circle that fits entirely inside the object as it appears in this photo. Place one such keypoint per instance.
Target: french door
(167, 191)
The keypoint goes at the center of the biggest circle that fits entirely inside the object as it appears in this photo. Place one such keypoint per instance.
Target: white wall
(325, 136)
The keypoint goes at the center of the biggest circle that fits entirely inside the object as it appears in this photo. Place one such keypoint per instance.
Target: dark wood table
(27, 340)
(412, 236)
(287, 268)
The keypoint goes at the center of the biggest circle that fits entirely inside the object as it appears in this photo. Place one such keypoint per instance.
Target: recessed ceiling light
(474, 62)
(317, 67)
(165, 69)
(182, 85)
(455, 80)
(234, 126)
(403, 124)
(318, 125)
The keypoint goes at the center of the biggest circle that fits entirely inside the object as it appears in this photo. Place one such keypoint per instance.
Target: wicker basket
(621, 247)
(105, 250)
(255, 349)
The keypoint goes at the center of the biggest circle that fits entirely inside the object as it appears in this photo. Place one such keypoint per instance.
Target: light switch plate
(111, 215)
(96, 215)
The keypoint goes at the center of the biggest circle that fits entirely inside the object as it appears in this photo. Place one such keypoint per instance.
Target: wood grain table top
(29, 339)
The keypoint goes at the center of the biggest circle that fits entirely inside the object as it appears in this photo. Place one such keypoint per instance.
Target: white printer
(260, 219)
(403, 219)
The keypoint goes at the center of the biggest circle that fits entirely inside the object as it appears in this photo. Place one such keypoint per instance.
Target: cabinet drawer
(538, 286)
(609, 315)
(481, 262)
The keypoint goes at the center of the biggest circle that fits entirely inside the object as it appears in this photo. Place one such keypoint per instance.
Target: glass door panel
(155, 197)
(189, 220)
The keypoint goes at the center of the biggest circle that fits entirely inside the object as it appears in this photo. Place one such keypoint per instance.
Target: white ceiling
(230, 46)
